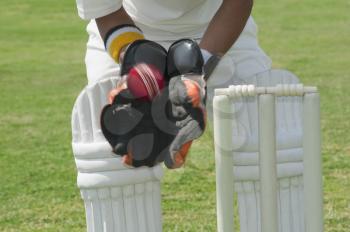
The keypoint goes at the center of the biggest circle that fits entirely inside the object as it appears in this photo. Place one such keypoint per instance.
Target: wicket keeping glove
(187, 95)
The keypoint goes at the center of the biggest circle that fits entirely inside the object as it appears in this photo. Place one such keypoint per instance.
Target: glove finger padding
(179, 126)
(189, 129)
(128, 126)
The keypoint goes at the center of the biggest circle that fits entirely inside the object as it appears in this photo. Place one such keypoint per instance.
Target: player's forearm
(226, 25)
(106, 23)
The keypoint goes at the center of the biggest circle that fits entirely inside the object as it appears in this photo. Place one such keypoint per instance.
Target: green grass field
(41, 72)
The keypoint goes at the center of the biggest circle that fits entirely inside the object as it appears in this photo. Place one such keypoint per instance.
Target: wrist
(118, 38)
(206, 55)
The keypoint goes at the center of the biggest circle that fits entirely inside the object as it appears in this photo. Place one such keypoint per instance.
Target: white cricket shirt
(168, 19)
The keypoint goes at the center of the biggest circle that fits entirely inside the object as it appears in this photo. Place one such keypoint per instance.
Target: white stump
(267, 160)
(223, 119)
(313, 194)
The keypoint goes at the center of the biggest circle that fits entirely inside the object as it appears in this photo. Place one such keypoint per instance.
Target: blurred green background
(42, 46)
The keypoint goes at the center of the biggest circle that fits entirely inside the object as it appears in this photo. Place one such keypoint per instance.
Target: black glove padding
(128, 126)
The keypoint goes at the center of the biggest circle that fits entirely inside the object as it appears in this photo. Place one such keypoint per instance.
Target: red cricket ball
(145, 81)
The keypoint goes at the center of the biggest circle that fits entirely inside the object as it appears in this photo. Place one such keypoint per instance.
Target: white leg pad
(290, 205)
(116, 198)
